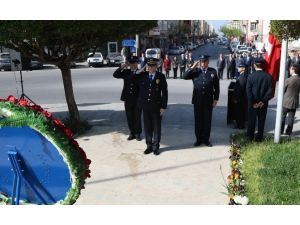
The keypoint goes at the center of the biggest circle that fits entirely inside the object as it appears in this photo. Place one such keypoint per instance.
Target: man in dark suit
(291, 98)
(182, 65)
(221, 66)
(153, 99)
(205, 97)
(259, 92)
(240, 96)
(130, 96)
(230, 67)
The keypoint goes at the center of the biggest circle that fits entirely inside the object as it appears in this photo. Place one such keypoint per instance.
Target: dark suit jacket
(239, 94)
(130, 89)
(152, 94)
(259, 87)
(206, 86)
(221, 63)
(292, 90)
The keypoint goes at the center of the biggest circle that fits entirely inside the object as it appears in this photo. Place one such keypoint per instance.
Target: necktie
(151, 77)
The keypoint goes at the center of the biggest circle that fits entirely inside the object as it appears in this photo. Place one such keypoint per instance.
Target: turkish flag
(272, 59)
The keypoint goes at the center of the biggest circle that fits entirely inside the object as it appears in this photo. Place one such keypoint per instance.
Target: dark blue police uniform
(206, 90)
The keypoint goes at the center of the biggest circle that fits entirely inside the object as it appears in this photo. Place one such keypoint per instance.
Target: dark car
(35, 64)
(114, 59)
(5, 61)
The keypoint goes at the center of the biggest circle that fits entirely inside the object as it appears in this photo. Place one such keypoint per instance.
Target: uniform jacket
(130, 89)
(239, 94)
(259, 87)
(292, 90)
(206, 86)
(153, 93)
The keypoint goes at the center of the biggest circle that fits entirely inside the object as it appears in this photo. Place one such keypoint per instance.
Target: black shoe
(138, 137)
(148, 150)
(131, 137)
(197, 143)
(208, 144)
(156, 152)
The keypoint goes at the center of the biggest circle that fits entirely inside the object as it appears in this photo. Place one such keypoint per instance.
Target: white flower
(242, 183)
(241, 200)
(241, 162)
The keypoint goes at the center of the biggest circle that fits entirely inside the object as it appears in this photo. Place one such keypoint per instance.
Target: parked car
(95, 59)
(114, 59)
(5, 61)
(244, 49)
(174, 51)
(35, 64)
(233, 46)
(153, 53)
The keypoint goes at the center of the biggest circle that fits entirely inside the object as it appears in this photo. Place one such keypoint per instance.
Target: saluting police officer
(130, 96)
(240, 96)
(153, 99)
(259, 92)
(205, 97)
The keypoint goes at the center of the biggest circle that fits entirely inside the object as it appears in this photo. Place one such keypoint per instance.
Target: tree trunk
(68, 87)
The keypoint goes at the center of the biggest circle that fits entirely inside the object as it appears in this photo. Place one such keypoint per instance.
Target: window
(253, 26)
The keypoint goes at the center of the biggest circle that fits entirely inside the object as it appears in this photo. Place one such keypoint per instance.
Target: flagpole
(280, 91)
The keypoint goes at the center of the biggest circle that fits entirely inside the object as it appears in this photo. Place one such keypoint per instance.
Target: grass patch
(271, 171)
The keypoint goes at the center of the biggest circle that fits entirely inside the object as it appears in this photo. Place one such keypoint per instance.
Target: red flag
(272, 59)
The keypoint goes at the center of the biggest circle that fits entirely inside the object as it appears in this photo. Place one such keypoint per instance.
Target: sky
(217, 24)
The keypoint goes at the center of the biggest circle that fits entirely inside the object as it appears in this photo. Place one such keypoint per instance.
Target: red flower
(11, 99)
(75, 143)
(47, 114)
(58, 123)
(23, 102)
(68, 132)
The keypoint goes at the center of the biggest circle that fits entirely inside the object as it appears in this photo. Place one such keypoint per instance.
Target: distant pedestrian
(230, 67)
(259, 92)
(182, 64)
(175, 64)
(221, 66)
(167, 65)
(291, 99)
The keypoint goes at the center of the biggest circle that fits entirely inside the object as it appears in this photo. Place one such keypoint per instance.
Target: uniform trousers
(133, 114)
(203, 117)
(152, 126)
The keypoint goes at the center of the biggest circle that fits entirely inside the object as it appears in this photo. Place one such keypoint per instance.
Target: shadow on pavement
(155, 171)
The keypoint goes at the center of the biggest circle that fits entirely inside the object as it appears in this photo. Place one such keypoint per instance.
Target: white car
(95, 59)
(153, 53)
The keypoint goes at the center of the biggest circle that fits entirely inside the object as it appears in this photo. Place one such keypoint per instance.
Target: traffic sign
(128, 43)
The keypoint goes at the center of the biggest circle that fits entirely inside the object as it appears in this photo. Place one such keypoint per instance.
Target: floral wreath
(21, 113)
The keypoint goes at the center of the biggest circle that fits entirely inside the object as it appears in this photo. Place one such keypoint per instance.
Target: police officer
(153, 99)
(130, 96)
(205, 97)
(259, 92)
(240, 96)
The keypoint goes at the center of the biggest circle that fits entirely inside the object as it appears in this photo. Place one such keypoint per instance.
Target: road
(94, 85)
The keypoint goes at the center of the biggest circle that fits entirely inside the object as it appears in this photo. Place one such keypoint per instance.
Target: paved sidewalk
(122, 174)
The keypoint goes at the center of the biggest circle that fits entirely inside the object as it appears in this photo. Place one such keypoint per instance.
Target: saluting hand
(195, 64)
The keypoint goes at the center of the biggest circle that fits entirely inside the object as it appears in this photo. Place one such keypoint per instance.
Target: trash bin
(230, 103)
